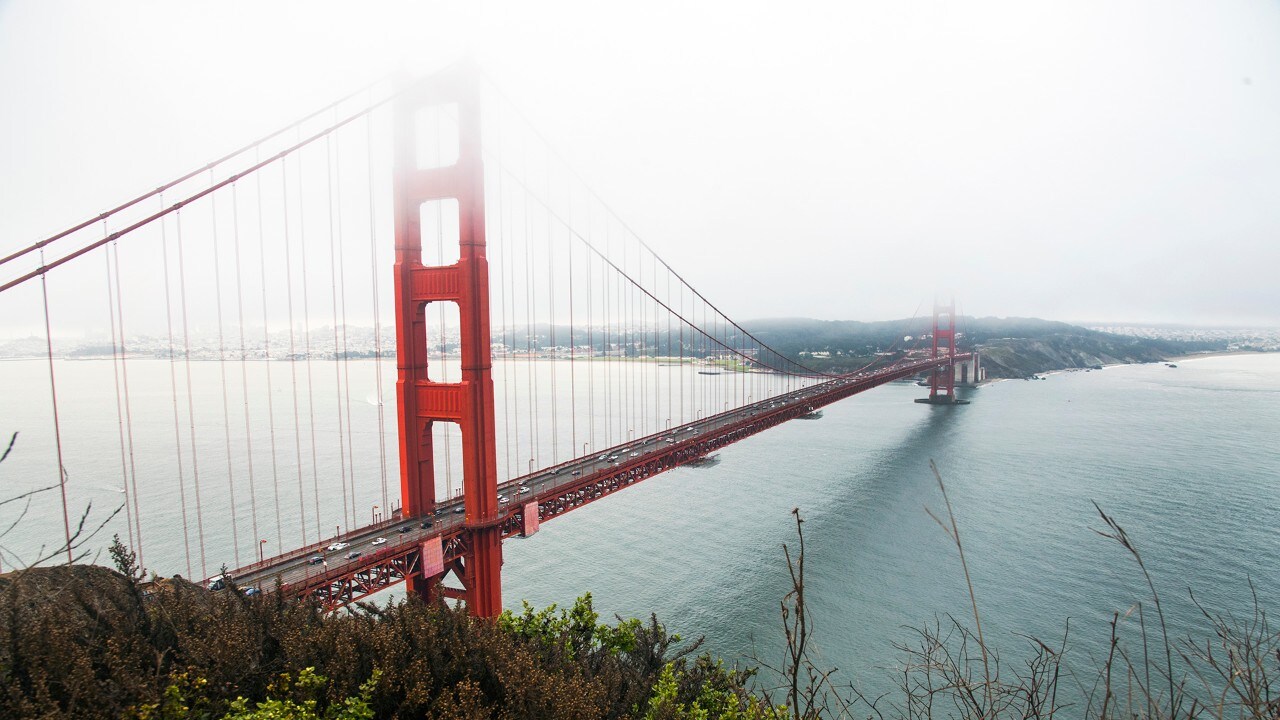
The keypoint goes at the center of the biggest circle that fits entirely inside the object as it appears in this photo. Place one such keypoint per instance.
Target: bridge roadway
(336, 579)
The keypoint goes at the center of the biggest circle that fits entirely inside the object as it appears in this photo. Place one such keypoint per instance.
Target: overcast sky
(1111, 161)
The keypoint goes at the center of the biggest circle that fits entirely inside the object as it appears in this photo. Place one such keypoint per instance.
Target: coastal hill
(1011, 347)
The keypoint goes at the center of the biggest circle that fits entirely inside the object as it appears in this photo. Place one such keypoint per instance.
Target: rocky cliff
(1024, 357)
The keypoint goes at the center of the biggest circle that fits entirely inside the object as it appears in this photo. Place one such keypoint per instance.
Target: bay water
(1186, 459)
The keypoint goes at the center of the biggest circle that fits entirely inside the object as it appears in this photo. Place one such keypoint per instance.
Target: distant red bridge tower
(942, 384)
(942, 380)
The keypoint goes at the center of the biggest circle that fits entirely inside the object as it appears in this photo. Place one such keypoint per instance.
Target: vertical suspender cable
(266, 354)
(551, 322)
(244, 362)
(306, 340)
(115, 378)
(683, 371)
(342, 295)
(606, 343)
(591, 349)
(529, 319)
(510, 291)
(293, 357)
(337, 367)
(222, 372)
(377, 310)
(660, 378)
(532, 336)
(173, 392)
(191, 413)
(504, 260)
(624, 328)
(57, 426)
(573, 355)
(128, 412)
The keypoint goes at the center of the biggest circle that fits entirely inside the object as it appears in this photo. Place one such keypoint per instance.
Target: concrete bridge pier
(970, 372)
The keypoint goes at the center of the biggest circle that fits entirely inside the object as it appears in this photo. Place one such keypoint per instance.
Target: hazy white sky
(1074, 160)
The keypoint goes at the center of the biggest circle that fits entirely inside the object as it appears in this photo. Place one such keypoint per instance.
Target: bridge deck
(336, 580)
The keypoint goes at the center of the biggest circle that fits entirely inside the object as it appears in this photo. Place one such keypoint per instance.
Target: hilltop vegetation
(83, 641)
(1012, 347)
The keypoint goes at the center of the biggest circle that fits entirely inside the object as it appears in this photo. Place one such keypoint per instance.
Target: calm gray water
(1186, 459)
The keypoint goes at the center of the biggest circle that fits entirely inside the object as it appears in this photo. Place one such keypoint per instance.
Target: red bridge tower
(421, 402)
(942, 384)
(942, 381)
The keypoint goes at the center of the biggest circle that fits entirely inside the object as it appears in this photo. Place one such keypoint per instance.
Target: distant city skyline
(359, 341)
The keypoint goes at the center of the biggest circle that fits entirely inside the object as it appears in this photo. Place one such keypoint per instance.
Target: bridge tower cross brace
(942, 382)
(421, 401)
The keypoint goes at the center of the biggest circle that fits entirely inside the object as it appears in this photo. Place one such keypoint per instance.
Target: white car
(338, 545)
(379, 541)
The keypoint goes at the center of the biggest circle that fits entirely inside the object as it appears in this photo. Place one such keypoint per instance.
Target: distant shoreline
(1215, 353)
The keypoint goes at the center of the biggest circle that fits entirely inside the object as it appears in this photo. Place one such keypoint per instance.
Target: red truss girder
(378, 571)
(394, 564)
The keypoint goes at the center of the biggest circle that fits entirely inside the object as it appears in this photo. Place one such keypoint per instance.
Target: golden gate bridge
(611, 367)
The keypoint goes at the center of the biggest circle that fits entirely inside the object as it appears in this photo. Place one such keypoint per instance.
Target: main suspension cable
(193, 173)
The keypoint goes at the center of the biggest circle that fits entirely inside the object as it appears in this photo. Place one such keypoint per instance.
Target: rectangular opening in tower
(436, 135)
(446, 446)
(439, 231)
(444, 354)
